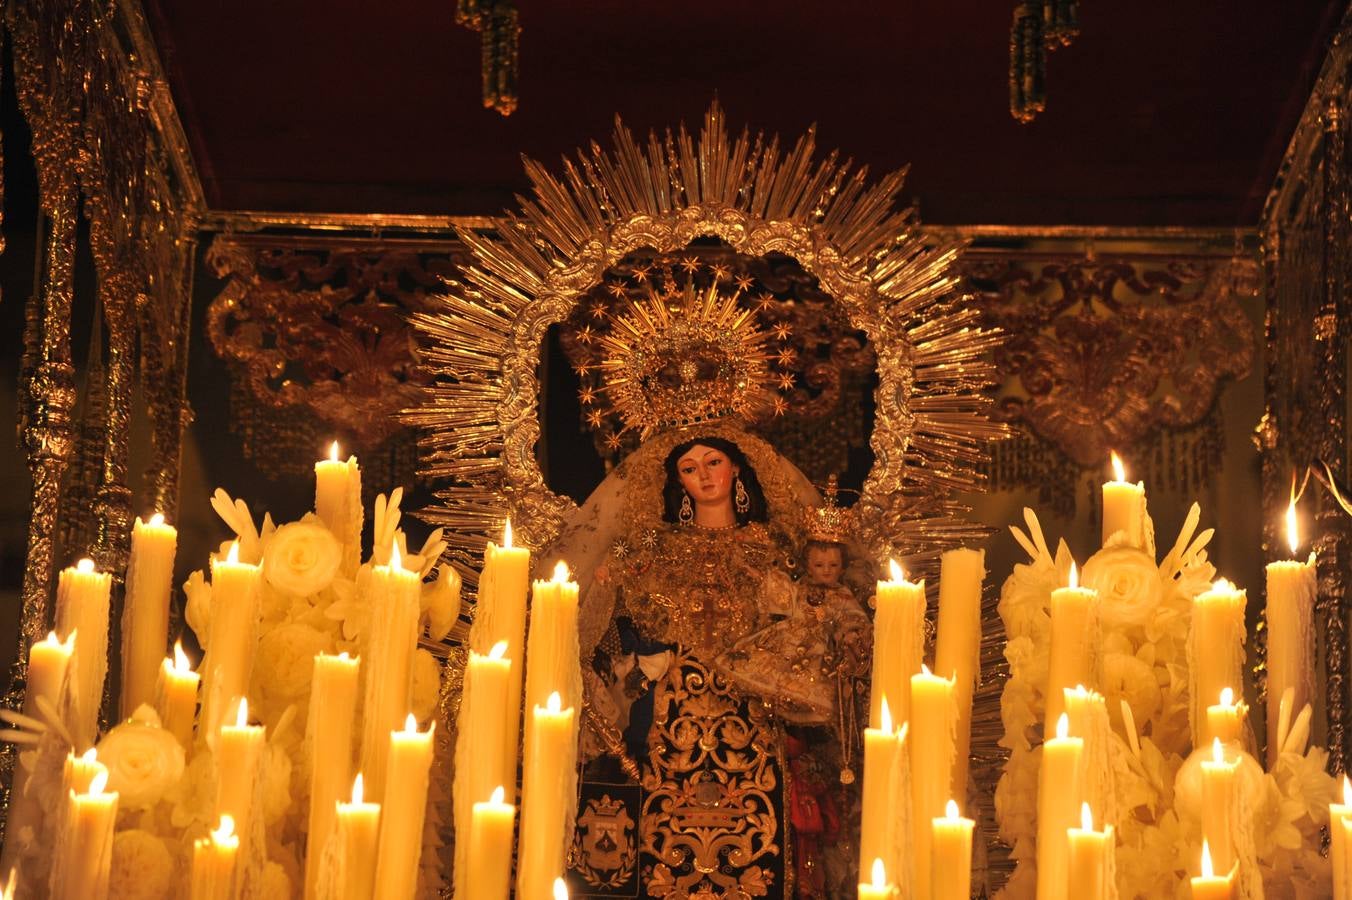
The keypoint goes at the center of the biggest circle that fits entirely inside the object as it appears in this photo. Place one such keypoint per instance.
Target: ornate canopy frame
(480, 421)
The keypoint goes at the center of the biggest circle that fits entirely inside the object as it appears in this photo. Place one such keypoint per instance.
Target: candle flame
(1063, 726)
(507, 534)
(51, 639)
(242, 717)
(554, 704)
(885, 717)
(11, 884)
(225, 830)
(925, 670)
(951, 810)
(560, 889)
(879, 873)
(333, 452)
(90, 756)
(157, 519)
(1074, 575)
(560, 572)
(1217, 752)
(1222, 586)
(1086, 817)
(499, 650)
(897, 574)
(411, 724)
(98, 782)
(396, 561)
(1347, 791)
(1208, 868)
(498, 795)
(85, 565)
(1227, 696)
(233, 555)
(1119, 473)
(181, 664)
(1292, 528)
(356, 789)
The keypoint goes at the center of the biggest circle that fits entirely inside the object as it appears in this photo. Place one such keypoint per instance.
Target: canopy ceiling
(1161, 113)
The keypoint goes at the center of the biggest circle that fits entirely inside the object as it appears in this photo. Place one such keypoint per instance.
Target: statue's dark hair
(672, 492)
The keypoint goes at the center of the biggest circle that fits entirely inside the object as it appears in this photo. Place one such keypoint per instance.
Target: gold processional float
(350, 733)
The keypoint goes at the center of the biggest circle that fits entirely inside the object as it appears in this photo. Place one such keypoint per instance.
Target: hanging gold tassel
(1060, 22)
(1027, 63)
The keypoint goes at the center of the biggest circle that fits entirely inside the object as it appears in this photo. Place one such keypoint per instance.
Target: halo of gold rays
(481, 423)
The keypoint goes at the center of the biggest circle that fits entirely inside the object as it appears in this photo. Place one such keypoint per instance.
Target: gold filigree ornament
(480, 420)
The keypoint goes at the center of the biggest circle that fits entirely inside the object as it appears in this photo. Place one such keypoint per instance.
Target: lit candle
(1087, 716)
(1058, 809)
(1225, 720)
(402, 813)
(549, 784)
(1216, 650)
(177, 696)
(328, 742)
(878, 887)
(82, 596)
(1123, 506)
(239, 758)
(1210, 886)
(1088, 858)
(358, 837)
(931, 765)
(1290, 631)
(84, 852)
(958, 644)
(480, 763)
(898, 635)
(145, 613)
(490, 848)
(213, 863)
(501, 616)
(551, 647)
(878, 796)
(228, 663)
(338, 502)
(560, 889)
(1338, 856)
(952, 866)
(1218, 806)
(388, 653)
(1074, 636)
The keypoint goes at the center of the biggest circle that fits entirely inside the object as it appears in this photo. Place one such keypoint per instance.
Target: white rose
(441, 600)
(142, 867)
(301, 558)
(285, 662)
(143, 762)
(1128, 585)
(198, 610)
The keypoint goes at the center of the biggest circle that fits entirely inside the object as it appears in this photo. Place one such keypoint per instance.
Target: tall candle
(358, 837)
(1225, 720)
(1087, 715)
(898, 636)
(145, 613)
(878, 887)
(549, 784)
(239, 756)
(328, 742)
(1088, 860)
(1338, 855)
(480, 763)
(1216, 639)
(490, 849)
(957, 650)
(1058, 809)
(1290, 632)
(1074, 634)
(176, 699)
(931, 765)
(82, 598)
(552, 663)
(1210, 886)
(1218, 806)
(388, 653)
(84, 851)
(213, 863)
(877, 796)
(228, 663)
(402, 812)
(501, 616)
(1123, 506)
(338, 503)
(952, 855)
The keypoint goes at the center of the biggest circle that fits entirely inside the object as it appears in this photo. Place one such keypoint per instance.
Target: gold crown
(687, 355)
(829, 522)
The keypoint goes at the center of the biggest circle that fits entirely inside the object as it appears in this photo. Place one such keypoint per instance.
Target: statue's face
(706, 474)
(824, 565)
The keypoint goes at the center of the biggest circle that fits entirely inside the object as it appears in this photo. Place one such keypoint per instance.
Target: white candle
(228, 663)
(878, 799)
(84, 852)
(931, 765)
(1216, 637)
(1089, 858)
(490, 848)
(328, 742)
(957, 649)
(358, 838)
(82, 596)
(480, 763)
(1058, 809)
(1218, 806)
(176, 699)
(1290, 633)
(1211, 886)
(952, 854)
(552, 663)
(1074, 634)
(549, 784)
(898, 635)
(402, 812)
(213, 863)
(338, 502)
(1338, 855)
(239, 756)
(388, 653)
(878, 887)
(1123, 507)
(1225, 720)
(145, 613)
